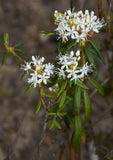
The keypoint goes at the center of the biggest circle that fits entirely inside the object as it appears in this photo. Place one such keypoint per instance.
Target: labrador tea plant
(66, 77)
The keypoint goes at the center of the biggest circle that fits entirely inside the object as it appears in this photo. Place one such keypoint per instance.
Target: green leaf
(19, 44)
(97, 50)
(82, 85)
(90, 59)
(59, 46)
(50, 95)
(38, 106)
(4, 57)
(17, 61)
(6, 38)
(67, 121)
(78, 131)
(96, 85)
(62, 100)
(61, 89)
(24, 74)
(62, 114)
(52, 123)
(77, 100)
(58, 125)
(29, 88)
(51, 114)
(87, 103)
(47, 33)
(42, 92)
(19, 51)
(69, 46)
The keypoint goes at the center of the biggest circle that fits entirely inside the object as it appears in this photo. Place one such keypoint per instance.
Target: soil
(21, 130)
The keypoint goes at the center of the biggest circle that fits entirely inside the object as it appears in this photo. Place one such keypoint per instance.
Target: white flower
(85, 70)
(26, 67)
(43, 78)
(33, 79)
(37, 60)
(61, 73)
(77, 25)
(49, 69)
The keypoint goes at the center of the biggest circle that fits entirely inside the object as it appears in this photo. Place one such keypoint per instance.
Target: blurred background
(21, 130)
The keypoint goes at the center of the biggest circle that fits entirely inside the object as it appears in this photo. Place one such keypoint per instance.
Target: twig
(11, 151)
(100, 8)
(71, 4)
(42, 135)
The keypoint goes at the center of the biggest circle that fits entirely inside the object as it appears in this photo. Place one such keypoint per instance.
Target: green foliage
(47, 33)
(77, 100)
(19, 51)
(62, 100)
(96, 51)
(19, 44)
(17, 61)
(38, 106)
(77, 130)
(6, 38)
(82, 85)
(4, 57)
(96, 85)
(90, 59)
(87, 104)
(29, 88)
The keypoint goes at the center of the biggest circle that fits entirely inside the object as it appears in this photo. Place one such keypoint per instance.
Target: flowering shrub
(66, 77)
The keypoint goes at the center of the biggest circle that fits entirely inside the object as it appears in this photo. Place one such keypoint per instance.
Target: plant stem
(11, 49)
(71, 4)
(83, 57)
(100, 8)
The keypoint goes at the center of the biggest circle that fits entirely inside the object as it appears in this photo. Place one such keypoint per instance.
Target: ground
(21, 130)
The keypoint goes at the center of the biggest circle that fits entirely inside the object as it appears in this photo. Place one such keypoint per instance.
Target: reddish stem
(100, 8)
(71, 4)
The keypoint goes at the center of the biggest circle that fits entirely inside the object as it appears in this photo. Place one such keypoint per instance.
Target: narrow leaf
(19, 44)
(29, 88)
(24, 74)
(69, 46)
(52, 123)
(96, 85)
(38, 106)
(82, 85)
(58, 125)
(51, 114)
(50, 95)
(6, 38)
(59, 46)
(4, 57)
(61, 89)
(90, 59)
(87, 104)
(97, 50)
(78, 131)
(17, 61)
(62, 100)
(19, 51)
(77, 100)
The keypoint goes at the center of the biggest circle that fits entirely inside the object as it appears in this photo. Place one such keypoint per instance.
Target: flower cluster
(69, 67)
(77, 25)
(39, 72)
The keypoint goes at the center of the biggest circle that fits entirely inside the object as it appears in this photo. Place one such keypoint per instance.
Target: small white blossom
(77, 25)
(43, 78)
(33, 79)
(26, 67)
(49, 69)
